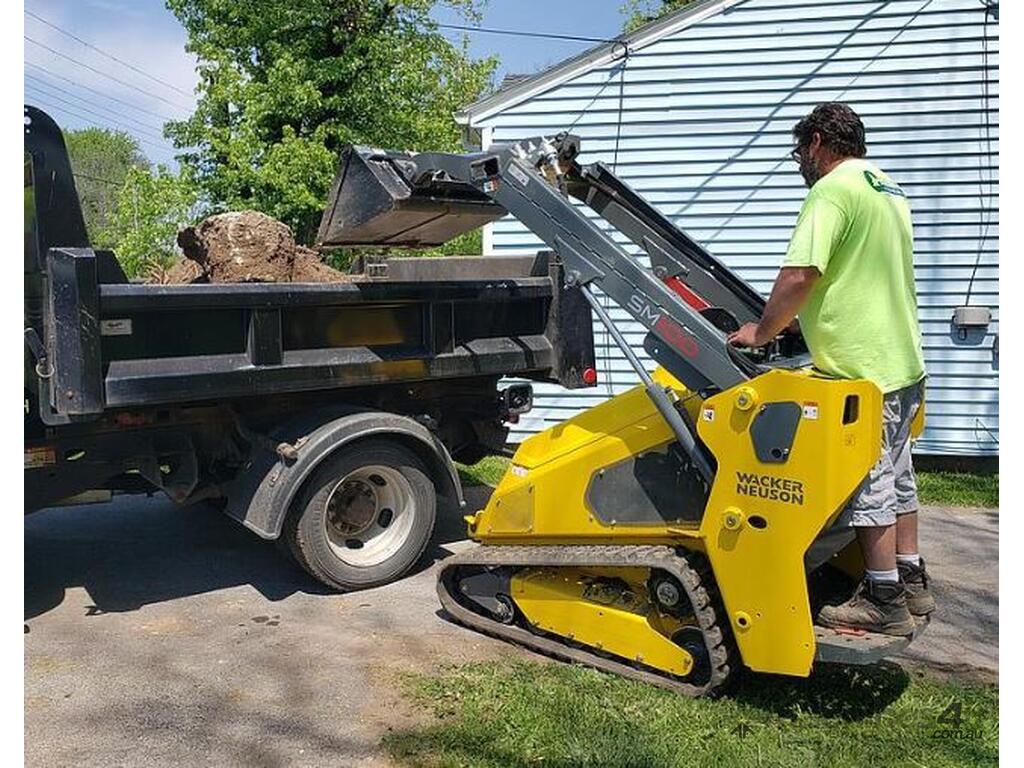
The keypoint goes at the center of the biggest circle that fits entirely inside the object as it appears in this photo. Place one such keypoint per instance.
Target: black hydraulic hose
(656, 392)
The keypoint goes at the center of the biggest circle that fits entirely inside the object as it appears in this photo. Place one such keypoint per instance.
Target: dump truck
(326, 416)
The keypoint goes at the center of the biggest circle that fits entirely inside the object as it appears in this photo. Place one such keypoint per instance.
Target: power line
(76, 96)
(102, 73)
(611, 76)
(77, 84)
(984, 205)
(615, 169)
(162, 147)
(519, 33)
(110, 56)
(602, 299)
(96, 114)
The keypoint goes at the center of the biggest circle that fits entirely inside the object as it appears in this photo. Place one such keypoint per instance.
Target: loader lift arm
(513, 175)
(687, 300)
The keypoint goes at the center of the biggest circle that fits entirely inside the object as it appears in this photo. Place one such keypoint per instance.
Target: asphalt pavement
(164, 636)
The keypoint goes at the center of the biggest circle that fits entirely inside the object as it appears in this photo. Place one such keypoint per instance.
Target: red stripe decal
(682, 290)
(677, 337)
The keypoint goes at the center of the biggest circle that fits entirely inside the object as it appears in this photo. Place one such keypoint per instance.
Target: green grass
(512, 715)
(487, 471)
(956, 489)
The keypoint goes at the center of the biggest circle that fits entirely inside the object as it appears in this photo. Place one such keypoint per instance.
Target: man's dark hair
(840, 127)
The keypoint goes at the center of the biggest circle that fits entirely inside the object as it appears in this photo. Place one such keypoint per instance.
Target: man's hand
(749, 335)
(791, 289)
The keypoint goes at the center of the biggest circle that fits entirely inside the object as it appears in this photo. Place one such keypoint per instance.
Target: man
(849, 274)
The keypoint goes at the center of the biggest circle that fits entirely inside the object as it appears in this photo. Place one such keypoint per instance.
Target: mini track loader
(681, 529)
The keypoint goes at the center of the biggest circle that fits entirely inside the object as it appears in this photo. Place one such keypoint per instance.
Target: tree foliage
(284, 85)
(151, 208)
(640, 12)
(101, 159)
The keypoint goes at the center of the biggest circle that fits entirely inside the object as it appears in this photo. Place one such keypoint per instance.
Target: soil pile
(242, 247)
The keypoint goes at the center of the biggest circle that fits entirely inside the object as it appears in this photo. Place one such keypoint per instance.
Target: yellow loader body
(763, 511)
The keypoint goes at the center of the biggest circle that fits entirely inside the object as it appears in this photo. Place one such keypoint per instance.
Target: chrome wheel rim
(368, 515)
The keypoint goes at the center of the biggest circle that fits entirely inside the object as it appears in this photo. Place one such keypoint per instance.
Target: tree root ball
(246, 246)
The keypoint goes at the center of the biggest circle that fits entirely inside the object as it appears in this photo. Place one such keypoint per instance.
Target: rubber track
(694, 576)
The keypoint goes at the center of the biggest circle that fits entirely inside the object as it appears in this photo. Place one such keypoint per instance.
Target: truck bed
(121, 345)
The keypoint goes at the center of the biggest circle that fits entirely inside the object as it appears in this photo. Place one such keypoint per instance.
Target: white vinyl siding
(704, 134)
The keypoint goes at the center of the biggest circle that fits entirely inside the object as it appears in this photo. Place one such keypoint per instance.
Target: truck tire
(364, 516)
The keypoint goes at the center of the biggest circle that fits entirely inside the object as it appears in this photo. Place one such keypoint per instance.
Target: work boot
(876, 606)
(919, 598)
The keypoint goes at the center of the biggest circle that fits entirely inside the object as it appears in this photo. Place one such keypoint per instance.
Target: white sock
(876, 576)
(914, 559)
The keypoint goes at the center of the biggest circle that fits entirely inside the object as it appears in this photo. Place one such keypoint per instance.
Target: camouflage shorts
(890, 489)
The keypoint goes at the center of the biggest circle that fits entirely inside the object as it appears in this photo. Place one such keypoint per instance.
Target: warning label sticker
(810, 410)
(39, 457)
(118, 327)
(708, 413)
(518, 174)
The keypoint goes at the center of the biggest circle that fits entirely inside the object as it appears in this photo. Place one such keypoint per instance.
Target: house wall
(703, 119)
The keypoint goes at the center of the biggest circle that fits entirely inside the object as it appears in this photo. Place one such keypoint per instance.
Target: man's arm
(791, 289)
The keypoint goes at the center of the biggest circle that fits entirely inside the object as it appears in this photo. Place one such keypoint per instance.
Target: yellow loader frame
(760, 518)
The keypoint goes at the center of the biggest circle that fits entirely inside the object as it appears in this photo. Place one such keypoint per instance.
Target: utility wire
(75, 61)
(618, 116)
(979, 423)
(50, 73)
(110, 56)
(601, 90)
(985, 210)
(602, 299)
(520, 33)
(40, 82)
(96, 114)
(162, 147)
(615, 168)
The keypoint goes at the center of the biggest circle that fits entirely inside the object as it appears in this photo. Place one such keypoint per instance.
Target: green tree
(284, 85)
(151, 208)
(101, 159)
(639, 12)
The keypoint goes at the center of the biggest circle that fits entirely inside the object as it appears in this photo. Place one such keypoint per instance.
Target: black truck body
(250, 394)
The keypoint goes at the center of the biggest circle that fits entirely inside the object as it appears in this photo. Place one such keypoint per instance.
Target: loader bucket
(373, 202)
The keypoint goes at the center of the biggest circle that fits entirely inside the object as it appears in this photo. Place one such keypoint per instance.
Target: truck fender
(261, 495)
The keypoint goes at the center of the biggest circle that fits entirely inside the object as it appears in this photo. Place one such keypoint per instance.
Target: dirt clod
(245, 246)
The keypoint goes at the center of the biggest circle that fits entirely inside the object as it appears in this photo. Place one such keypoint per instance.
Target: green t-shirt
(860, 321)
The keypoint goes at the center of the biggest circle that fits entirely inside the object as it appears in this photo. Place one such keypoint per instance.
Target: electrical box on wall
(971, 317)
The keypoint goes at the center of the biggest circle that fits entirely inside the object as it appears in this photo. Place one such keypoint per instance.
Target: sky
(153, 82)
